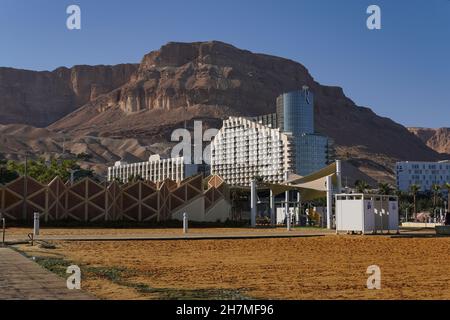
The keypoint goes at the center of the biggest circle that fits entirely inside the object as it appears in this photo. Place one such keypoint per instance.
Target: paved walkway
(23, 279)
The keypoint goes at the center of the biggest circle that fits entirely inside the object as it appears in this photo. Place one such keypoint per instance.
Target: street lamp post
(25, 189)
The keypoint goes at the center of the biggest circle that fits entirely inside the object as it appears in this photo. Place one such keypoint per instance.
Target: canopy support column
(273, 212)
(339, 175)
(288, 216)
(329, 201)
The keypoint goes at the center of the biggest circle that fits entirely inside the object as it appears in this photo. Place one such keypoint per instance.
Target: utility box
(366, 213)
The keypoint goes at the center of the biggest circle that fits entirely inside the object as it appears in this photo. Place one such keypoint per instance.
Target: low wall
(420, 225)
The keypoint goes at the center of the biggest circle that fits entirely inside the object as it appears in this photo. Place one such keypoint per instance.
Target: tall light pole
(64, 146)
(25, 188)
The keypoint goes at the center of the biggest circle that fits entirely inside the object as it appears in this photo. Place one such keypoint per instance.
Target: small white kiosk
(366, 213)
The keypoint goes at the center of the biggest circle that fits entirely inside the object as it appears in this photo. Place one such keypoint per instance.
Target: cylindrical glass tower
(295, 112)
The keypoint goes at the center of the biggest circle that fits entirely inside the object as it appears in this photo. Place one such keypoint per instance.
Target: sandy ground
(329, 267)
(16, 233)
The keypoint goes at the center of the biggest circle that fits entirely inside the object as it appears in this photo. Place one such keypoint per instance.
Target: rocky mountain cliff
(41, 98)
(211, 81)
(436, 139)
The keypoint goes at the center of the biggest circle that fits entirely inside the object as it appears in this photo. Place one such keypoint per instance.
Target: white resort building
(424, 174)
(244, 149)
(155, 169)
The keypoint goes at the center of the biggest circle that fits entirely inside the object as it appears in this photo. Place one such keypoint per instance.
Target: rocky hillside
(41, 98)
(436, 139)
(17, 139)
(211, 81)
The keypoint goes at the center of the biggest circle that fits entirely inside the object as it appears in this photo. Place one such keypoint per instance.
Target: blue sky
(401, 71)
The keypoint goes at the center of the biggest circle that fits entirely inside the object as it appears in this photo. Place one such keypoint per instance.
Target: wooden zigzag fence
(89, 201)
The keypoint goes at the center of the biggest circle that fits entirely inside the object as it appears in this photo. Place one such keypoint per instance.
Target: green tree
(6, 175)
(404, 203)
(118, 180)
(134, 178)
(447, 186)
(259, 180)
(45, 171)
(435, 188)
(361, 186)
(414, 189)
(385, 189)
(237, 196)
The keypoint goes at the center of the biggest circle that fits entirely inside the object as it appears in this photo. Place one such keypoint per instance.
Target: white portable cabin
(366, 213)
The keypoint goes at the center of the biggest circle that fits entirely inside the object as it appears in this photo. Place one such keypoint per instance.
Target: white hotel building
(424, 174)
(155, 169)
(244, 149)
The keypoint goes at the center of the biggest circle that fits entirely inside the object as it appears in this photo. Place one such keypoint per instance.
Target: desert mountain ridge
(436, 139)
(208, 81)
(39, 98)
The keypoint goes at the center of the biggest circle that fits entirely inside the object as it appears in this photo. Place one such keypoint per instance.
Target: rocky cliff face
(212, 80)
(211, 73)
(436, 139)
(208, 81)
(181, 75)
(41, 98)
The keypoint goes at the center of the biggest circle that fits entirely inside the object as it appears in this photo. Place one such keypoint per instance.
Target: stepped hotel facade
(244, 149)
(266, 146)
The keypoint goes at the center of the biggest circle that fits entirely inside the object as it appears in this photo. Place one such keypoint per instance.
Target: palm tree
(435, 188)
(400, 193)
(235, 196)
(259, 180)
(361, 186)
(134, 178)
(384, 189)
(447, 186)
(414, 188)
